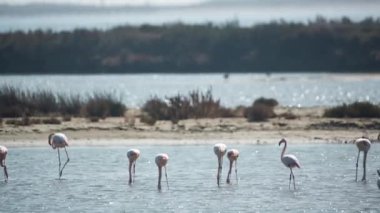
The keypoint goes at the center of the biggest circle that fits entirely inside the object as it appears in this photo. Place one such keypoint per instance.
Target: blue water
(239, 89)
(96, 178)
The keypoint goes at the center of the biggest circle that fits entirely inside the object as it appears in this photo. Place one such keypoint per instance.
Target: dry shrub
(70, 105)
(66, 118)
(102, 105)
(266, 101)
(51, 120)
(94, 119)
(354, 110)
(288, 116)
(179, 107)
(154, 109)
(261, 110)
(147, 119)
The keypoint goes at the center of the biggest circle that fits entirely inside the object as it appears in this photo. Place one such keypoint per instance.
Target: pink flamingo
(161, 161)
(289, 161)
(363, 145)
(132, 155)
(3, 155)
(59, 140)
(232, 155)
(220, 151)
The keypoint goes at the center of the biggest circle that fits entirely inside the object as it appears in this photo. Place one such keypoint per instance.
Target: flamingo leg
(219, 169)
(5, 170)
(236, 172)
(59, 163)
(129, 170)
(6, 173)
(159, 178)
(166, 175)
(357, 164)
(364, 166)
(294, 180)
(229, 172)
(134, 171)
(67, 160)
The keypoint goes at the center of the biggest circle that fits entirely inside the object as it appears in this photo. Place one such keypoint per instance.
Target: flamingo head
(49, 139)
(282, 141)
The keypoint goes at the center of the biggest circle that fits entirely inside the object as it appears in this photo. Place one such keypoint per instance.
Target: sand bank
(308, 127)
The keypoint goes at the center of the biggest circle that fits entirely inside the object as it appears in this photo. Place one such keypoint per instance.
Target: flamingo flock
(59, 141)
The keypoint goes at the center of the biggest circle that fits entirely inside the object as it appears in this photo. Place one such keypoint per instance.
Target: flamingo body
(363, 145)
(232, 155)
(161, 161)
(3, 156)
(133, 155)
(219, 150)
(59, 140)
(289, 161)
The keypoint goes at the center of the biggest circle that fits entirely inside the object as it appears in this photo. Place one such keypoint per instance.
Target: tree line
(279, 46)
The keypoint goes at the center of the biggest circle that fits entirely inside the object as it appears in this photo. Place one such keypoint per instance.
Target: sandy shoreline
(309, 127)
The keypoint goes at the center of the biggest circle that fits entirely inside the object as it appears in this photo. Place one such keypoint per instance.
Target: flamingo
(220, 151)
(3, 155)
(59, 140)
(132, 155)
(161, 161)
(289, 161)
(232, 155)
(378, 181)
(363, 145)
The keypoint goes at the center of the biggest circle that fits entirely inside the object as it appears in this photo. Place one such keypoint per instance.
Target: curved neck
(49, 139)
(283, 149)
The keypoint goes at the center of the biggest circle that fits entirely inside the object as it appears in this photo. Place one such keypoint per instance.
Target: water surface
(96, 178)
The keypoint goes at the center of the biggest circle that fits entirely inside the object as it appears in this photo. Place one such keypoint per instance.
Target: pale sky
(109, 2)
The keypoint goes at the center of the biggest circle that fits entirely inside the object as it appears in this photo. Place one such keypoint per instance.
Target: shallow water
(96, 178)
(301, 89)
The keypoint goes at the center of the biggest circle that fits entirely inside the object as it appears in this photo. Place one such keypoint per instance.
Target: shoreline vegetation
(26, 118)
(320, 45)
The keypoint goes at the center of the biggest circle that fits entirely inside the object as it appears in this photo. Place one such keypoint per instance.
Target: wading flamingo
(232, 155)
(220, 151)
(289, 161)
(363, 145)
(59, 140)
(3, 155)
(132, 155)
(161, 161)
(378, 180)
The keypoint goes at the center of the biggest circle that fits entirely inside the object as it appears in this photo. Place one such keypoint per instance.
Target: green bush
(354, 110)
